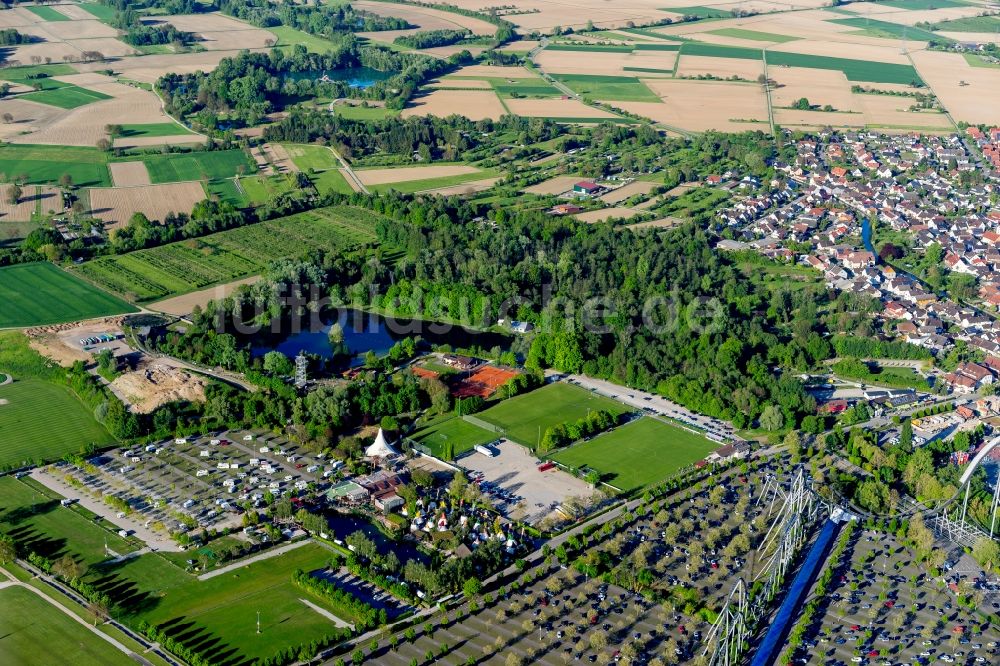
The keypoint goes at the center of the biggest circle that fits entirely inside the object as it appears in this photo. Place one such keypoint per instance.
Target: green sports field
(36, 633)
(461, 434)
(46, 164)
(42, 421)
(213, 164)
(65, 96)
(40, 293)
(638, 453)
(525, 416)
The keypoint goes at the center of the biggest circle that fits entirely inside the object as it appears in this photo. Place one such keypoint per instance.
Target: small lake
(355, 77)
(364, 332)
(866, 236)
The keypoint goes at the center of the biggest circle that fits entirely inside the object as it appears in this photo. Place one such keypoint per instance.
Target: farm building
(586, 187)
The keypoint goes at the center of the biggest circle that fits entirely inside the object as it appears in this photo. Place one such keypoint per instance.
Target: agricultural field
(331, 181)
(261, 189)
(27, 621)
(637, 454)
(970, 24)
(40, 293)
(854, 70)
(199, 165)
(355, 112)
(66, 96)
(455, 431)
(47, 164)
(178, 268)
(152, 130)
(42, 421)
(47, 13)
(308, 157)
(420, 178)
(290, 37)
(753, 35)
(115, 206)
(610, 88)
(525, 418)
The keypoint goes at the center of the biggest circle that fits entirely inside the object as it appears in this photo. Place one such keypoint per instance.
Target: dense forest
(10, 37)
(243, 89)
(323, 20)
(153, 35)
(431, 38)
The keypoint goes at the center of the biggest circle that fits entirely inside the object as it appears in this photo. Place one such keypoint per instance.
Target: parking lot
(884, 608)
(512, 481)
(180, 484)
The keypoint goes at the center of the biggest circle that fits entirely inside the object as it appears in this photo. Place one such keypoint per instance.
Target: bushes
(566, 433)
(430, 38)
(364, 616)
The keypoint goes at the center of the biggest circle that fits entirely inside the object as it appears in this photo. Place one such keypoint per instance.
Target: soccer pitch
(639, 453)
(36, 294)
(525, 418)
(460, 433)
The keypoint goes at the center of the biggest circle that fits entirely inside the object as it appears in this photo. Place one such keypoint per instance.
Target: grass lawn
(289, 37)
(21, 74)
(970, 24)
(44, 421)
(612, 88)
(308, 157)
(435, 183)
(213, 164)
(694, 201)
(976, 60)
(223, 610)
(525, 416)
(363, 112)
(226, 190)
(36, 633)
(524, 87)
(37, 522)
(47, 14)
(46, 164)
(40, 293)
(154, 129)
(100, 12)
(460, 433)
(754, 35)
(260, 189)
(638, 453)
(65, 97)
(331, 181)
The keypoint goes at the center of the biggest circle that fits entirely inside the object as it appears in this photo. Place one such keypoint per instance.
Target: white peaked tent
(380, 448)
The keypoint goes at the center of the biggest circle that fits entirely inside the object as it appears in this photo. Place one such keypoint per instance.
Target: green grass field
(525, 416)
(976, 60)
(66, 96)
(38, 523)
(289, 37)
(28, 622)
(970, 24)
(658, 47)
(854, 70)
(887, 30)
(40, 293)
(524, 87)
(154, 129)
(331, 181)
(308, 157)
(177, 268)
(44, 421)
(47, 164)
(260, 189)
(611, 88)
(227, 191)
(100, 12)
(213, 164)
(223, 610)
(740, 33)
(638, 453)
(461, 434)
(363, 112)
(47, 14)
(721, 51)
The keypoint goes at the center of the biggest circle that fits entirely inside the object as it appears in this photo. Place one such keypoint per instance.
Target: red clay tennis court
(482, 382)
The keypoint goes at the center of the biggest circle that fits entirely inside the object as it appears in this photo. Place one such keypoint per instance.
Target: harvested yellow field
(448, 51)
(470, 187)
(460, 83)
(555, 108)
(169, 140)
(721, 67)
(520, 46)
(88, 29)
(84, 125)
(603, 63)
(29, 117)
(626, 191)
(116, 205)
(544, 15)
(494, 72)
(556, 185)
(704, 105)
(183, 305)
(406, 174)
(945, 73)
(913, 17)
(32, 198)
(812, 119)
(473, 104)
(619, 213)
(18, 17)
(106, 46)
(885, 51)
(662, 223)
(148, 69)
(128, 174)
(218, 32)
(426, 18)
(819, 86)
